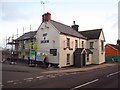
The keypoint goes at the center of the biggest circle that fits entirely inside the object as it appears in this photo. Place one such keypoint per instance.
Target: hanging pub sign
(53, 52)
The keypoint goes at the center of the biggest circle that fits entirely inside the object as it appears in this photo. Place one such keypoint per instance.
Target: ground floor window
(68, 58)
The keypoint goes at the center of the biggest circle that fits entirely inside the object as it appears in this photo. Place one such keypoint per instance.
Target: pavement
(23, 66)
(83, 69)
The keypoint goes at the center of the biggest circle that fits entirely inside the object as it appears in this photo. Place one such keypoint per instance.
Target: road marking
(14, 83)
(28, 78)
(10, 81)
(84, 84)
(40, 77)
(113, 74)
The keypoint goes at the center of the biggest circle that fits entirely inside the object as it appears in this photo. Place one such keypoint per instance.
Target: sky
(88, 14)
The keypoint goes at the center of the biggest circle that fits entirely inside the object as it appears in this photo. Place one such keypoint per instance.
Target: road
(30, 77)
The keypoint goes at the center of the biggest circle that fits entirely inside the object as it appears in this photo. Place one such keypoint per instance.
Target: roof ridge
(62, 23)
(68, 27)
(113, 46)
(91, 30)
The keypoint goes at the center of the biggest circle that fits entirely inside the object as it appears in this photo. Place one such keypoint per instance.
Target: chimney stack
(75, 27)
(46, 17)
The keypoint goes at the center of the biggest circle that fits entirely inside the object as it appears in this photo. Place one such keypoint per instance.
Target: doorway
(83, 60)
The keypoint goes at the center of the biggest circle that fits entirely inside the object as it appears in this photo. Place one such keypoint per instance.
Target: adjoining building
(112, 52)
(25, 44)
(61, 43)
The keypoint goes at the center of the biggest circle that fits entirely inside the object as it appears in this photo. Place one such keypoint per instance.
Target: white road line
(40, 77)
(84, 84)
(14, 83)
(28, 78)
(10, 81)
(113, 74)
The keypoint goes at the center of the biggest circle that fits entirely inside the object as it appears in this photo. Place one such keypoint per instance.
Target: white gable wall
(52, 36)
(101, 53)
(95, 50)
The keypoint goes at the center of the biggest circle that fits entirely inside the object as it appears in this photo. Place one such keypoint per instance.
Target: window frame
(68, 59)
(102, 45)
(82, 44)
(68, 42)
(76, 44)
(91, 45)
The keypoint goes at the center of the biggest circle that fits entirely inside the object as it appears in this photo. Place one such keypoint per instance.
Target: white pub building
(66, 46)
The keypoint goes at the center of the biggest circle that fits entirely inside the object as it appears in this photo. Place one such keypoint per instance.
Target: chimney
(75, 27)
(46, 17)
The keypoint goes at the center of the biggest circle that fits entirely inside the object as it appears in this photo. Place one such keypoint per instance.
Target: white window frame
(68, 59)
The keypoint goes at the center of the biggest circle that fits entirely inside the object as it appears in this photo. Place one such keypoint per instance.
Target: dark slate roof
(79, 50)
(27, 35)
(91, 34)
(115, 46)
(89, 51)
(65, 29)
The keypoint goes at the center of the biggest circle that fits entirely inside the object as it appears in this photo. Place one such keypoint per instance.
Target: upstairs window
(82, 44)
(23, 44)
(68, 42)
(102, 45)
(91, 45)
(76, 44)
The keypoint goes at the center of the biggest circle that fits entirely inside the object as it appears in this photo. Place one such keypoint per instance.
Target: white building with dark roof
(66, 46)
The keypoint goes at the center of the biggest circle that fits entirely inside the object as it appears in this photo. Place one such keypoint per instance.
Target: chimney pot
(46, 17)
(75, 27)
(73, 22)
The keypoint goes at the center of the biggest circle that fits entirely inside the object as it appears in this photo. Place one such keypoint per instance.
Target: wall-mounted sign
(39, 57)
(53, 52)
(44, 38)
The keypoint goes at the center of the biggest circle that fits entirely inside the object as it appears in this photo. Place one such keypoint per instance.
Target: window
(68, 42)
(82, 44)
(23, 44)
(76, 44)
(91, 45)
(102, 45)
(68, 58)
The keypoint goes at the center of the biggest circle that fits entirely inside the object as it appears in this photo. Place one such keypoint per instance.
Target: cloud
(13, 11)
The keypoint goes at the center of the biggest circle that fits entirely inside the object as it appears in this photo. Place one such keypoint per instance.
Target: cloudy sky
(88, 14)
